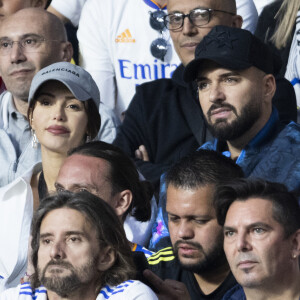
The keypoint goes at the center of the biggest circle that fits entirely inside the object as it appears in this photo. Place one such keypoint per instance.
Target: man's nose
(243, 242)
(216, 93)
(185, 230)
(17, 53)
(57, 250)
(188, 28)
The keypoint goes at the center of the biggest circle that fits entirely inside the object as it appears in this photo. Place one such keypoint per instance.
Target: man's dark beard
(65, 285)
(210, 261)
(223, 130)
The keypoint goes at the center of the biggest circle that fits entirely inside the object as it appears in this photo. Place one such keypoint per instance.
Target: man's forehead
(187, 5)
(25, 23)
(187, 201)
(86, 160)
(250, 211)
(64, 220)
(85, 168)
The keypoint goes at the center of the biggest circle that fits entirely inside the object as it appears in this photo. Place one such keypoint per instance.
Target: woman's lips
(57, 130)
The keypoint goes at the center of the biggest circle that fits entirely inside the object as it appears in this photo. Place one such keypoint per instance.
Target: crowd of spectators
(149, 149)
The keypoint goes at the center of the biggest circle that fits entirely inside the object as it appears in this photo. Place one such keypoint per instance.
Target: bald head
(18, 64)
(52, 25)
(228, 5)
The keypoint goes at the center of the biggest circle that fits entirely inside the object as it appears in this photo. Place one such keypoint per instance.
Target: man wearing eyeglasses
(164, 120)
(29, 40)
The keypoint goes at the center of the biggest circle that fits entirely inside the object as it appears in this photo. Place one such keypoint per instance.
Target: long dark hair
(105, 222)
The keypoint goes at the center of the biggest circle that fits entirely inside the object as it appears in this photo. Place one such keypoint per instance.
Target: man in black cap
(234, 72)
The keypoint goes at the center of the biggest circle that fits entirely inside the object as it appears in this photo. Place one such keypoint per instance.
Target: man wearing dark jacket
(235, 72)
(164, 115)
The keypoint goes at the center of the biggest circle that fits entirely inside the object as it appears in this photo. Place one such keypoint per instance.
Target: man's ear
(107, 258)
(296, 244)
(237, 21)
(122, 202)
(67, 51)
(269, 87)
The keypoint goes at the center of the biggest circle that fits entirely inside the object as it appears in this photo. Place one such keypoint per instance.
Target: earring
(34, 142)
(294, 255)
(88, 139)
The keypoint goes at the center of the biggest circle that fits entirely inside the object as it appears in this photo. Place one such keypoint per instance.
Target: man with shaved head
(30, 40)
(19, 59)
(9, 7)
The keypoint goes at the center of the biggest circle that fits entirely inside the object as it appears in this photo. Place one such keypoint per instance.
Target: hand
(167, 289)
(141, 153)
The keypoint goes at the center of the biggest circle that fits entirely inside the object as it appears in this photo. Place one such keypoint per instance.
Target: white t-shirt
(71, 9)
(129, 290)
(114, 39)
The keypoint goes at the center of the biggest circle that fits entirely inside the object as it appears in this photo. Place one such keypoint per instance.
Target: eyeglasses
(159, 47)
(27, 44)
(198, 17)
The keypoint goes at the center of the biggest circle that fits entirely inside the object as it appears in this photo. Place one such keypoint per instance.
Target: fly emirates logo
(147, 71)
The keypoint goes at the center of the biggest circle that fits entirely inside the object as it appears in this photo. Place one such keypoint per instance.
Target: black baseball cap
(235, 49)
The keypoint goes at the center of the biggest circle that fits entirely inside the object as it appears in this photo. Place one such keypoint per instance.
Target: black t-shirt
(166, 266)
(195, 291)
